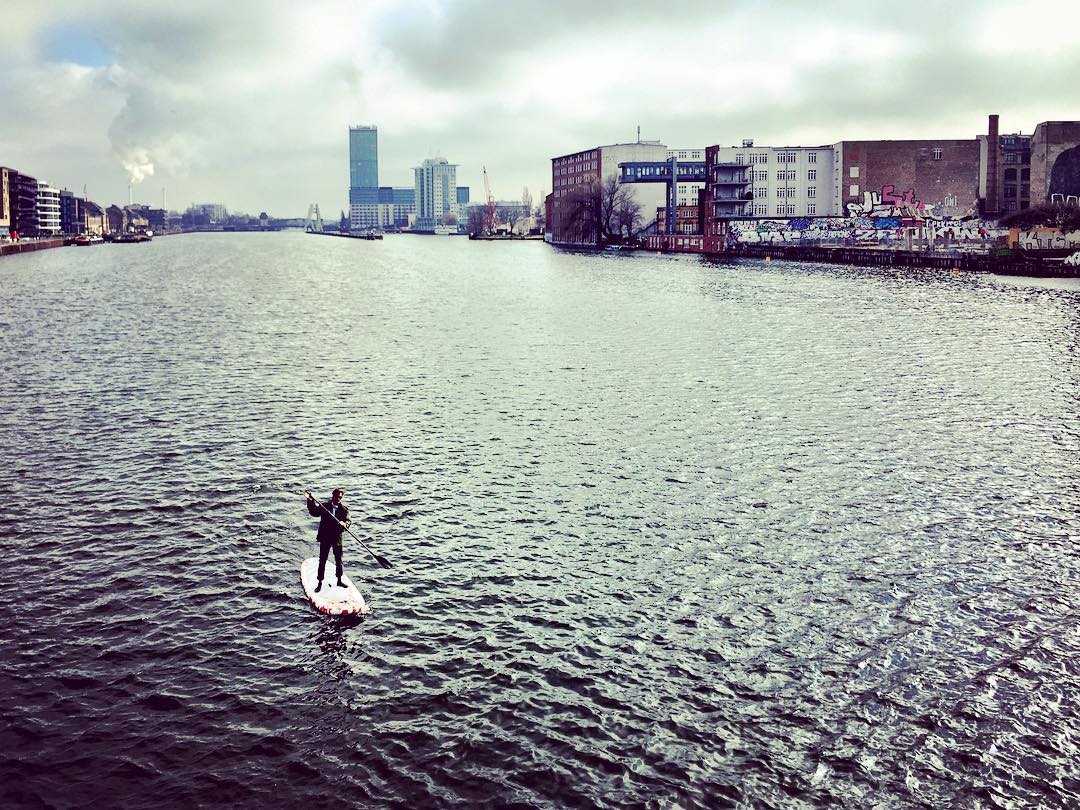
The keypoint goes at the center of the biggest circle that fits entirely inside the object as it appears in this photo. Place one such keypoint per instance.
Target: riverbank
(1006, 265)
(1044, 264)
(29, 245)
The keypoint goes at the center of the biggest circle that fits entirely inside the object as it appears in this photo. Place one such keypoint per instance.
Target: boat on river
(133, 237)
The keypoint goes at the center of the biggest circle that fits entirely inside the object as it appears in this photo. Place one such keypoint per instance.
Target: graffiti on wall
(901, 208)
(887, 216)
(862, 229)
(1065, 174)
(1046, 239)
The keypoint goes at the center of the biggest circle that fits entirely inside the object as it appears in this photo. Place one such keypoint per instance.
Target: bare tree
(578, 213)
(477, 220)
(627, 214)
(509, 215)
(619, 210)
(612, 193)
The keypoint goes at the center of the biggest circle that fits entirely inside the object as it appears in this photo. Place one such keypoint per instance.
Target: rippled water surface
(665, 533)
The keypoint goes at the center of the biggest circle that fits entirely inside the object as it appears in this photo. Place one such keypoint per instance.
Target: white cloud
(248, 102)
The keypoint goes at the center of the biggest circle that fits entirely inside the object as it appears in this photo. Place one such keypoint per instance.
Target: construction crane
(491, 220)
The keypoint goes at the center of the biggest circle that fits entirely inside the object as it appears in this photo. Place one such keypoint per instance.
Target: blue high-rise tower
(371, 207)
(363, 157)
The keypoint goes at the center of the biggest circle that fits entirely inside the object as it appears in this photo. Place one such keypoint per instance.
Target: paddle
(385, 563)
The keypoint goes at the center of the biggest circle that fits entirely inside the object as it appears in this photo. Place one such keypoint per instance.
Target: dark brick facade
(567, 173)
(687, 221)
(1055, 161)
(939, 176)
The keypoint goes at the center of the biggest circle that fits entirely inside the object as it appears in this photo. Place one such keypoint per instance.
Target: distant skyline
(249, 103)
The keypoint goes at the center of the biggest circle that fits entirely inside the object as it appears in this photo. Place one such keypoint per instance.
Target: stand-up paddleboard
(331, 599)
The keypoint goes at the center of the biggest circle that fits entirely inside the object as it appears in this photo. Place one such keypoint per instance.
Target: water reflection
(663, 531)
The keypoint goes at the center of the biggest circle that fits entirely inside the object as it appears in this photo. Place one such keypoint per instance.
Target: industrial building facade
(878, 181)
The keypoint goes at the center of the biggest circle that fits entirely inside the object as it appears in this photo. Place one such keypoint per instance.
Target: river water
(665, 533)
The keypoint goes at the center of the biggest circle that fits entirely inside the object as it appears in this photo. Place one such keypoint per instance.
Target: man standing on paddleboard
(333, 520)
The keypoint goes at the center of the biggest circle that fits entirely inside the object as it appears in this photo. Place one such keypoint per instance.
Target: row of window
(568, 181)
(1025, 191)
(785, 210)
(578, 158)
(781, 157)
(587, 166)
(785, 192)
(1017, 157)
(782, 175)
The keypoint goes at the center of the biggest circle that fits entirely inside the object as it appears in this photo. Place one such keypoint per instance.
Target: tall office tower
(364, 177)
(436, 194)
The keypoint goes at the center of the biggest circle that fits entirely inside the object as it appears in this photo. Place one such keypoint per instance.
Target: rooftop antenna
(163, 206)
(639, 133)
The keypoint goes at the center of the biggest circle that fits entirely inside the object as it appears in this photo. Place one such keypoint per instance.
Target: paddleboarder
(333, 520)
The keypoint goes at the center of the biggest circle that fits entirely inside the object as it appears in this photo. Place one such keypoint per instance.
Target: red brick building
(687, 221)
(726, 196)
(595, 165)
(567, 173)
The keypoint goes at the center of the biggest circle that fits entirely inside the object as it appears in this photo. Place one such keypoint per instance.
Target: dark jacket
(329, 529)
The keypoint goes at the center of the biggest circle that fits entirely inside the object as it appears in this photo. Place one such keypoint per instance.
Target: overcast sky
(248, 103)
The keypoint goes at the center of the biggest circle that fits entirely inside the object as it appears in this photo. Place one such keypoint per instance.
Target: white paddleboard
(331, 599)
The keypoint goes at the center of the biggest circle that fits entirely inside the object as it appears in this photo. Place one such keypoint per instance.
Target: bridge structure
(670, 172)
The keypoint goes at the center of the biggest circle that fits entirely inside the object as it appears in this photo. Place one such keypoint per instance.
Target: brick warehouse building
(568, 172)
(937, 176)
(595, 164)
(908, 181)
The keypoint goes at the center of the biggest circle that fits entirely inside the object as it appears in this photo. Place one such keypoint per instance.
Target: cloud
(248, 102)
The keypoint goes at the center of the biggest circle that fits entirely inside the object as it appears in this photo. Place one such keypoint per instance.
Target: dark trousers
(324, 551)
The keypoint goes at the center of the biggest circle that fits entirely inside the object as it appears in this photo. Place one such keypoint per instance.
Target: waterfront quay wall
(1010, 265)
(27, 245)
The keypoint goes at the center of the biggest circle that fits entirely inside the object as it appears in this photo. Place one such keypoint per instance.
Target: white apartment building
(436, 193)
(649, 196)
(48, 210)
(788, 181)
(687, 193)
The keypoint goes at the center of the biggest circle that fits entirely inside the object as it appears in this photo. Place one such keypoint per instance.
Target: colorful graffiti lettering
(892, 230)
(1048, 239)
(887, 206)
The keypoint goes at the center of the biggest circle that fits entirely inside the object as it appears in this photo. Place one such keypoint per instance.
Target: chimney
(993, 202)
(129, 193)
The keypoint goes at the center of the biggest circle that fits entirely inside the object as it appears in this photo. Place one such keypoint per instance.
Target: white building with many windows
(436, 194)
(787, 181)
(48, 210)
(687, 193)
